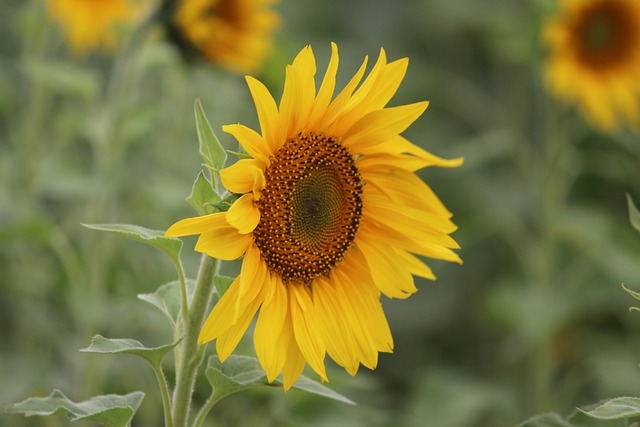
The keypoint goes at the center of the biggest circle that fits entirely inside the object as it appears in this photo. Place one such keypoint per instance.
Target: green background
(535, 320)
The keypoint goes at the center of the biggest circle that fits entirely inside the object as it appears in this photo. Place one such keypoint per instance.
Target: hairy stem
(191, 358)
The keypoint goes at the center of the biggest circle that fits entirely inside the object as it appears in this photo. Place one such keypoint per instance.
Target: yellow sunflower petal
(244, 215)
(253, 278)
(267, 114)
(338, 104)
(243, 176)
(197, 225)
(409, 156)
(305, 331)
(226, 243)
(415, 265)
(228, 340)
(251, 141)
(404, 188)
(388, 271)
(365, 291)
(299, 92)
(326, 90)
(218, 320)
(270, 336)
(338, 338)
(379, 126)
(294, 365)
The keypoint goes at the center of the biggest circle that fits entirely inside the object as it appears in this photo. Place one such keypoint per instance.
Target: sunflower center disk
(605, 35)
(310, 208)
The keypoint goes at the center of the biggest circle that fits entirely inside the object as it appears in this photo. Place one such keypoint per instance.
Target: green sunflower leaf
(211, 150)
(153, 356)
(550, 419)
(203, 197)
(243, 372)
(110, 410)
(169, 245)
(634, 214)
(619, 408)
(167, 298)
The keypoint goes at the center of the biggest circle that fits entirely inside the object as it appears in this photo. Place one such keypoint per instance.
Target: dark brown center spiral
(310, 208)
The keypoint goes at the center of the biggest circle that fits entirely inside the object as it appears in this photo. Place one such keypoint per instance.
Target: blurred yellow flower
(330, 215)
(234, 34)
(594, 59)
(92, 24)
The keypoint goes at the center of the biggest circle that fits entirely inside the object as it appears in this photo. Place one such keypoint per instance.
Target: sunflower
(234, 34)
(330, 215)
(595, 59)
(90, 24)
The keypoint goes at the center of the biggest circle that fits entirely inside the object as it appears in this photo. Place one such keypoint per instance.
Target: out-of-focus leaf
(546, 420)
(616, 409)
(167, 298)
(154, 356)
(169, 245)
(634, 214)
(64, 77)
(109, 410)
(203, 197)
(211, 151)
(243, 372)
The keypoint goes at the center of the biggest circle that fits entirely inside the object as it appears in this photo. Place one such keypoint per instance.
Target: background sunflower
(534, 320)
(594, 59)
(95, 24)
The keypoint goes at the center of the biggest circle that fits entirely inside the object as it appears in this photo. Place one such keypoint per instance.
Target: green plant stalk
(187, 365)
(164, 393)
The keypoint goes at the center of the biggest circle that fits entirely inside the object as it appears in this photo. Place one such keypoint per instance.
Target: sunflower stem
(191, 358)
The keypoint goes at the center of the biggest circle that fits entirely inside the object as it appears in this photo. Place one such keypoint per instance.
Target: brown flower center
(604, 34)
(310, 208)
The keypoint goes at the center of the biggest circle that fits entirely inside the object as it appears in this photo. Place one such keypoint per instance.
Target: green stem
(204, 411)
(164, 392)
(187, 365)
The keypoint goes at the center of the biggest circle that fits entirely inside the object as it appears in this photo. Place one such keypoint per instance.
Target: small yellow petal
(242, 176)
(226, 243)
(244, 215)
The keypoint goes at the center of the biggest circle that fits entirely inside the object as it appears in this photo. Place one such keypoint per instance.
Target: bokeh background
(534, 320)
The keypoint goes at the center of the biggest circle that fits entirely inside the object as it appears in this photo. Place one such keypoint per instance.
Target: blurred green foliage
(534, 321)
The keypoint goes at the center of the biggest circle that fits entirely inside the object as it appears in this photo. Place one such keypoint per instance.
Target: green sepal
(109, 410)
(203, 196)
(153, 356)
(634, 214)
(240, 155)
(167, 298)
(239, 373)
(211, 151)
(226, 202)
(169, 245)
